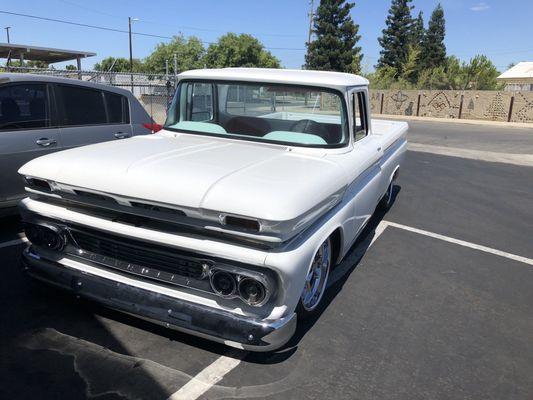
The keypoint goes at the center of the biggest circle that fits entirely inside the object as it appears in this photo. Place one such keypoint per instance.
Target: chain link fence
(154, 91)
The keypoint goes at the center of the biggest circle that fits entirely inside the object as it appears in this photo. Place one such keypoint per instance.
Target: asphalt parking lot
(434, 301)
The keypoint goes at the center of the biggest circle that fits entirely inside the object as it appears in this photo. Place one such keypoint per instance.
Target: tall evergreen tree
(433, 50)
(417, 30)
(396, 36)
(334, 48)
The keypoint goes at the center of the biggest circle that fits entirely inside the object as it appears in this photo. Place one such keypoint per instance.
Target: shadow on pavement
(50, 348)
(353, 257)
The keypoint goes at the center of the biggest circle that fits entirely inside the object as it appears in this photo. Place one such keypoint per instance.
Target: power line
(104, 28)
(159, 23)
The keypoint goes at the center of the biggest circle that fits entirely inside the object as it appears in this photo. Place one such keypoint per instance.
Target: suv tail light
(153, 126)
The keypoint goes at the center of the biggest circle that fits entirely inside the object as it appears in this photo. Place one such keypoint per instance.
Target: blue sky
(500, 29)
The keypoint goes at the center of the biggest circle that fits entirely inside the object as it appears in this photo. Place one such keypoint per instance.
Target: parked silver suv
(43, 114)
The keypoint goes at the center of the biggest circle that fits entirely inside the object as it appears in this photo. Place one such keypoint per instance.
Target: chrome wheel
(315, 281)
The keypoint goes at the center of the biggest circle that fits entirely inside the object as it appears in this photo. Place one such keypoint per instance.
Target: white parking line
(208, 377)
(462, 243)
(14, 242)
(216, 371)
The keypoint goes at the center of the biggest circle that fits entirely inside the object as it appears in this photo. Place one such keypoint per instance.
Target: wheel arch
(337, 240)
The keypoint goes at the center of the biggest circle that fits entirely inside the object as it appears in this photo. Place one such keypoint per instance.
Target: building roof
(46, 54)
(335, 80)
(522, 70)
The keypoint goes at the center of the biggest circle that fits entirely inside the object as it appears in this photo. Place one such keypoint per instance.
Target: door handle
(45, 142)
(122, 135)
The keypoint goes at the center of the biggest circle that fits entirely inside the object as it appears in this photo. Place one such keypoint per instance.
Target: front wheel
(386, 201)
(315, 281)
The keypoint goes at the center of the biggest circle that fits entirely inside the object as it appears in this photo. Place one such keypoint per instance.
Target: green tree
(232, 50)
(417, 30)
(411, 68)
(480, 74)
(189, 54)
(36, 64)
(383, 78)
(433, 50)
(334, 48)
(454, 73)
(434, 78)
(396, 35)
(120, 64)
(71, 67)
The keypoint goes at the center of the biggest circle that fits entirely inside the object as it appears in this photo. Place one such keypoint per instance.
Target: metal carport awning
(46, 54)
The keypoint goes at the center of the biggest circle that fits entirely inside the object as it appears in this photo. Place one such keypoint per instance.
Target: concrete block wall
(468, 104)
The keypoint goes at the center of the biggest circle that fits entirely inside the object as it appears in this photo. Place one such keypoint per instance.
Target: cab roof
(329, 79)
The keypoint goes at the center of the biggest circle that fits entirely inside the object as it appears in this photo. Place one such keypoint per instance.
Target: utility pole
(311, 15)
(9, 54)
(175, 68)
(130, 20)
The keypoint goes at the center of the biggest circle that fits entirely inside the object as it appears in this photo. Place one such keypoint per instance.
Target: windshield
(294, 115)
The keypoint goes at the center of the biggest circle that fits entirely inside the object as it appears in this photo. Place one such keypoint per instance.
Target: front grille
(116, 250)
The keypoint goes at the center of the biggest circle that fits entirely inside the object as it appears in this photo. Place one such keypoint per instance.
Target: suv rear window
(24, 106)
(82, 106)
(117, 108)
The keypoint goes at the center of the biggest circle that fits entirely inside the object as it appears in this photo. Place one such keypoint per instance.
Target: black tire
(307, 309)
(386, 201)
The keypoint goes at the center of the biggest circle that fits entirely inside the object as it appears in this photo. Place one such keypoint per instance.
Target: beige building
(518, 78)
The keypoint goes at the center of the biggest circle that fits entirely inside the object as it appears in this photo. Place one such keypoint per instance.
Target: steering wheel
(311, 127)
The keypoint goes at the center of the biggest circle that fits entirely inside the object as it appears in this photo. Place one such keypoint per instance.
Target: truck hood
(251, 179)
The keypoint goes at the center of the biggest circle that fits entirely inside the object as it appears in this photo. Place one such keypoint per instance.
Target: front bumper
(221, 326)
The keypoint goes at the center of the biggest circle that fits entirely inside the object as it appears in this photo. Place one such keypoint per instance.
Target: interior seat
(249, 126)
(10, 111)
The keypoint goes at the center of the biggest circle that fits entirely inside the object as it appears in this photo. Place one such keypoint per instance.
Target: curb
(501, 124)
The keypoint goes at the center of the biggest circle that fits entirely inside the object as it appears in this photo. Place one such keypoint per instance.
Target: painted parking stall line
(208, 377)
(463, 243)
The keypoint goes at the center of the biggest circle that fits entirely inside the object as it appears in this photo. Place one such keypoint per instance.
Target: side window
(117, 108)
(360, 124)
(24, 106)
(82, 106)
(199, 102)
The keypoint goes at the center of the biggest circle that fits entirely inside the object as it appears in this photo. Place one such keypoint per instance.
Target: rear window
(278, 113)
(24, 106)
(82, 106)
(117, 108)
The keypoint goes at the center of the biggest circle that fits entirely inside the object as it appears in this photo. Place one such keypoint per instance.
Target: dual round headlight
(49, 237)
(229, 285)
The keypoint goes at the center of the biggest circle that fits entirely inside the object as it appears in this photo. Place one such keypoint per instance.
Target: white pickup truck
(227, 222)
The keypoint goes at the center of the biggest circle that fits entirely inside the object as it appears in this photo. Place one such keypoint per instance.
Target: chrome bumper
(221, 326)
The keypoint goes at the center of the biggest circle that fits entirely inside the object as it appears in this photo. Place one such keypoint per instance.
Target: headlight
(251, 287)
(223, 283)
(47, 236)
(251, 291)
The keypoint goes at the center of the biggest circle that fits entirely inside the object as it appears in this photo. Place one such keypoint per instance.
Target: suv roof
(17, 77)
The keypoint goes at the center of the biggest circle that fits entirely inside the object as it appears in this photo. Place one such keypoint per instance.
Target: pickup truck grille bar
(138, 257)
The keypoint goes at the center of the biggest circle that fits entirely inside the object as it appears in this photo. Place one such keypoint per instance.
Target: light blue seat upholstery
(199, 127)
(294, 137)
